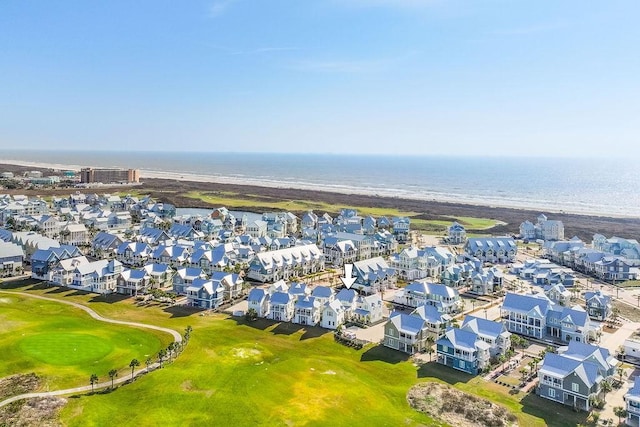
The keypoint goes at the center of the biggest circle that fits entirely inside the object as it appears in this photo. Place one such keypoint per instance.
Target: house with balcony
(536, 316)
(401, 227)
(463, 350)
(160, 275)
(282, 307)
(134, 254)
(485, 281)
(493, 333)
(445, 298)
(333, 314)
(563, 251)
(44, 260)
(74, 234)
(61, 273)
(259, 300)
(458, 275)
(632, 404)
(205, 293)
(132, 282)
(627, 248)
(456, 234)
(104, 244)
(436, 322)
(271, 266)
(368, 309)
(184, 277)
(575, 375)
(501, 250)
(405, 333)
(413, 263)
(544, 229)
(231, 283)
(373, 275)
(99, 276)
(363, 244)
(348, 299)
(339, 252)
(616, 269)
(324, 294)
(307, 311)
(598, 305)
(525, 314)
(558, 293)
(11, 259)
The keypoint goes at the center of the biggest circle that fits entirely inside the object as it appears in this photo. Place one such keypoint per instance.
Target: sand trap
(245, 353)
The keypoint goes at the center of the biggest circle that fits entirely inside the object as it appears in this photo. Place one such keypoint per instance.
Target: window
(552, 393)
(575, 387)
(461, 364)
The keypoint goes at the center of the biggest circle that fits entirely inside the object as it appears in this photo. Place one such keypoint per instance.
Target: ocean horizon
(573, 185)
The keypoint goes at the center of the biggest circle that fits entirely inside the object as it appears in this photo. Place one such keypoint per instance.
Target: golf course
(63, 345)
(232, 372)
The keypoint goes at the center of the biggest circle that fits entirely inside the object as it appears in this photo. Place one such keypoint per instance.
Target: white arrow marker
(347, 280)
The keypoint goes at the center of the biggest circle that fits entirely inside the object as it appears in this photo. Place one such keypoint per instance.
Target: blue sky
(476, 77)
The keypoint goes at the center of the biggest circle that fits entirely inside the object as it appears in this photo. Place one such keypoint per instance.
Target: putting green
(65, 349)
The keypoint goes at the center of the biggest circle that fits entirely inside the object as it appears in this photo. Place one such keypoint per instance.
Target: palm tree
(430, 341)
(605, 387)
(620, 412)
(148, 362)
(133, 364)
(621, 373)
(113, 374)
(93, 380)
(161, 355)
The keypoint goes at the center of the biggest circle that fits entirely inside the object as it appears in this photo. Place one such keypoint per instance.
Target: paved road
(176, 337)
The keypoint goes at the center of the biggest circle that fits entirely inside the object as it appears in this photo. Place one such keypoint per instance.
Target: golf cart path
(176, 337)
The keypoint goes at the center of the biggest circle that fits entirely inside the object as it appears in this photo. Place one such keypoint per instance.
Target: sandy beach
(171, 187)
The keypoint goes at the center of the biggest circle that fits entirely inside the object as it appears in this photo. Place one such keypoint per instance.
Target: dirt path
(176, 337)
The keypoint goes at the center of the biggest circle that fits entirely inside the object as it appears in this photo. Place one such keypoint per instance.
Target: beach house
(463, 350)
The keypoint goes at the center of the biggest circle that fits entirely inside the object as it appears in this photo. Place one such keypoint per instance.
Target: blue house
(576, 375)
(43, 260)
(632, 399)
(463, 350)
(536, 316)
(205, 293)
(598, 305)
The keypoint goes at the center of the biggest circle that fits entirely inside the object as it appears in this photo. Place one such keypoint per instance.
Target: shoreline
(172, 191)
(434, 197)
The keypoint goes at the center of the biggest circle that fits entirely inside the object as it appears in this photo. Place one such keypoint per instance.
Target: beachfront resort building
(544, 229)
(108, 176)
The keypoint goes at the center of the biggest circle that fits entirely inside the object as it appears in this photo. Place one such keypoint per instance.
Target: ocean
(590, 186)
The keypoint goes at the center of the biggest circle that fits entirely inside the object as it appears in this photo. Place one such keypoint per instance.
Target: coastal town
(536, 312)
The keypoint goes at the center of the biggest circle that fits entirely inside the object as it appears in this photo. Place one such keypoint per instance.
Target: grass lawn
(242, 201)
(264, 373)
(64, 345)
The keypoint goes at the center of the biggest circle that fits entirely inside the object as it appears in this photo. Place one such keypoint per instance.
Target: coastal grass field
(254, 201)
(64, 345)
(235, 372)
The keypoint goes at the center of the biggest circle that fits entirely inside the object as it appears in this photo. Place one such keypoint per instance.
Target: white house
(333, 315)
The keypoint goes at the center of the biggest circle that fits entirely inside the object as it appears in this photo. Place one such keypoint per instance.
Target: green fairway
(241, 373)
(65, 349)
(63, 345)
